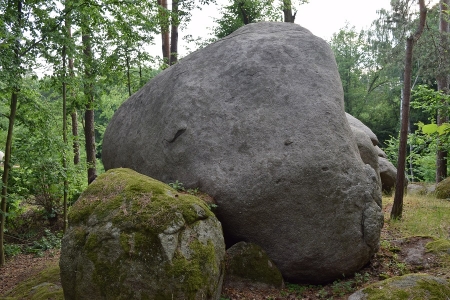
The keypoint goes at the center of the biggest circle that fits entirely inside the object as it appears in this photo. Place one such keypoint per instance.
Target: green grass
(422, 216)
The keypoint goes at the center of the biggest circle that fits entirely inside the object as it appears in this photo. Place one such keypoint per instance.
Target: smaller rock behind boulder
(247, 265)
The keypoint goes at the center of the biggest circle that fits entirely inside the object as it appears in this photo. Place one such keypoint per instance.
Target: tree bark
(287, 11)
(9, 138)
(76, 144)
(73, 114)
(64, 132)
(164, 24)
(127, 58)
(442, 85)
(6, 167)
(397, 208)
(89, 132)
(174, 33)
(245, 16)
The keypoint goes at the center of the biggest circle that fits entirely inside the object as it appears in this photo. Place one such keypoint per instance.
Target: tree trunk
(9, 138)
(127, 58)
(397, 208)
(6, 167)
(245, 16)
(442, 85)
(89, 132)
(287, 11)
(74, 114)
(174, 33)
(76, 144)
(164, 24)
(64, 132)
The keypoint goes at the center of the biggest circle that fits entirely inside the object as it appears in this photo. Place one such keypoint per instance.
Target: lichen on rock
(133, 237)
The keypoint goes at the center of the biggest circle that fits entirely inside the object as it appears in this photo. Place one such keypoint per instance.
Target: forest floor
(399, 254)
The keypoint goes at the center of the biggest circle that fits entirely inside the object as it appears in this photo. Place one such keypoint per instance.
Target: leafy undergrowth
(417, 243)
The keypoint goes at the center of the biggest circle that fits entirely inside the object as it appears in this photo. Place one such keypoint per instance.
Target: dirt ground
(397, 256)
(24, 266)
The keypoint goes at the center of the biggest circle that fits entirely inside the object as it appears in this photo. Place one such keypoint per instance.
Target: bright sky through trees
(321, 17)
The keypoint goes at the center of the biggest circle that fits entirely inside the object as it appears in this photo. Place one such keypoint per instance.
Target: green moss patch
(134, 199)
(409, 287)
(440, 245)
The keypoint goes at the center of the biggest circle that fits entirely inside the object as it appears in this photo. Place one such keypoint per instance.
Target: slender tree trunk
(74, 114)
(141, 81)
(287, 11)
(9, 137)
(442, 85)
(397, 208)
(127, 61)
(245, 16)
(6, 167)
(174, 33)
(64, 129)
(76, 144)
(164, 24)
(89, 132)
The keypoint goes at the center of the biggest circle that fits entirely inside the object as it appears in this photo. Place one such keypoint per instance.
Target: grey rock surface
(367, 151)
(257, 121)
(354, 122)
(380, 152)
(388, 174)
(133, 237)
(416, 189)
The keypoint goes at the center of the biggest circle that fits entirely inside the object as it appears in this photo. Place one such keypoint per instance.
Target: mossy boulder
(439, 245)
(443, 189)
(407, 287)
(133, 237)
(247, 265)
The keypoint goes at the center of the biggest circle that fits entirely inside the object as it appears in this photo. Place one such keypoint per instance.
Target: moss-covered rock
(439, 245)
(133, 237)
(45, 285)
(248, 265)
(443, 189)
(407, 287)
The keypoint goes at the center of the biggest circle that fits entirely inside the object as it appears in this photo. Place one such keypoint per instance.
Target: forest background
(52, 126)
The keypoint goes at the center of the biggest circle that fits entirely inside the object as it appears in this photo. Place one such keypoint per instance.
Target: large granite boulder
(132, 237)
(257, 121)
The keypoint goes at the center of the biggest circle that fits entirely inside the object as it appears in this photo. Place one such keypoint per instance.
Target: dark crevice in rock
(179, 132)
